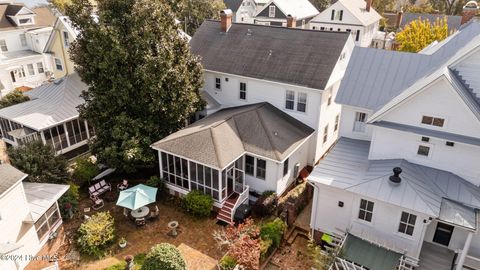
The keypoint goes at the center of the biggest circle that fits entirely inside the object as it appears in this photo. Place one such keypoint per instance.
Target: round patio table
(141, 212)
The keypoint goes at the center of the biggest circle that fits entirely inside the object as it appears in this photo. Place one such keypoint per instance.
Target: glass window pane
(63, 136)
(200, 173)
(164, 161)
(402, 227)
(193, 171)
(184, 168)
(409, 230)
(249, 164)
(83, 129)
(412, 219)
(215, 179)
(208, 177)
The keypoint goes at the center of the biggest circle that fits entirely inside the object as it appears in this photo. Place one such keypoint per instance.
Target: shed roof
(390, 73)
(293, 56)
(9, 176)
(41, 196)
(422, 188)
(222, 137)
(50, 104)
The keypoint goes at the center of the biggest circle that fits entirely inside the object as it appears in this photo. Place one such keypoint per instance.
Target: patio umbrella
(137, 196)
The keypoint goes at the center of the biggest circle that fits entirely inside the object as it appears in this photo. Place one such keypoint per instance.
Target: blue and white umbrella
(137, 196)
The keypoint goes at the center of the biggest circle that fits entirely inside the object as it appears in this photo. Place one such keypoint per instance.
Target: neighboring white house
(23, 35)
(243, 10)
(420, 113)
(355, 16)
(29, 217)
(50, 116)
(298, 74)
(276, 12)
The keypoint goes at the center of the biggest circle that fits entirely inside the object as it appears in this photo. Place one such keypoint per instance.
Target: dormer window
(271, 11)
(25, 21)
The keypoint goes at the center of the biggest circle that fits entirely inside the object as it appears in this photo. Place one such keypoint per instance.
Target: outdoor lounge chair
(99, 188)
(140, 222)
(97, 202)
(123, 185)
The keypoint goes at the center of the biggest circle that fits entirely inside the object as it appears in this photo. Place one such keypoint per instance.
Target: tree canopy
(143, 80)
(420, 33)
(321, 5)
(192, 13)
(39, 162)
(12, 98)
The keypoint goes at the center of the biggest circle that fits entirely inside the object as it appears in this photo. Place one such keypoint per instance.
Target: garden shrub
(85, 170)
(164, 256)
(13, 98)
(155, 181)
(267, 193)
(273, 231)
(96, 234)
(227, 263)
(265, 247)
(198, 203)
(265, 205)
(69, 200)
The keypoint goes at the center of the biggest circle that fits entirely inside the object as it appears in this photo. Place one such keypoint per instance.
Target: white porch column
(464, 253)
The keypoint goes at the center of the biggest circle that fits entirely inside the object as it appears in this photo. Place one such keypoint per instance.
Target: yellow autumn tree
(420, 33)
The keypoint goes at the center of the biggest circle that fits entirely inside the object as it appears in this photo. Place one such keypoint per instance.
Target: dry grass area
(194, 232)
(292, 257)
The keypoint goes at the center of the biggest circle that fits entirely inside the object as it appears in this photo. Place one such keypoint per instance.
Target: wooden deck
(435, 257)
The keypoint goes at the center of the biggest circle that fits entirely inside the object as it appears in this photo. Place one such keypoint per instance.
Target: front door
(443, 233)
(230, 182)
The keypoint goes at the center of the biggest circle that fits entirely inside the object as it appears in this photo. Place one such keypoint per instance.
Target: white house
(264, 105)
(51, 116)
(418, 115)
(29, 217)
(243, 10)
(276, 12)
(23, 35)
(355, 16)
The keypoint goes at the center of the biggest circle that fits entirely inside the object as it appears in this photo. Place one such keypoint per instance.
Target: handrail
(243, 196)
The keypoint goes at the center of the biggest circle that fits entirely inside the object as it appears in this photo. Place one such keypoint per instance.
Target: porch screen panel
(71, 133)
(63, 136)
(56, 139)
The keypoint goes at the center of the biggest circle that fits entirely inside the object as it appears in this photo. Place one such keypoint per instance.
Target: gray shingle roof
(422, 188)
(222, 137)
(233, 4)
(50, 104)
(374, 77)
(293, 56)
(453, 22)
(9, 175)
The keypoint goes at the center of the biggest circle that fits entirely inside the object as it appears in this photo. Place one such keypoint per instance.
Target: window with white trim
(243, 91)
(366, 210)
(302, 102)
(47, 221)
(23, 40)
(66, 39)
(58, 64)
(271, 11)
(261, 168)
(423, 150)
(337, 121)
(218, 84)
(289, 99)
(357, 37)
(359, 124)
(285, 167)
(31, 70)
(249, 165)
(40, 67)
(332, 16)
(3, 45)
(325, 134)
(407, 223)
(341, 15)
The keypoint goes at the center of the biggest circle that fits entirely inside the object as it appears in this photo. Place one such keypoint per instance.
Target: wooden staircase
(225, 214)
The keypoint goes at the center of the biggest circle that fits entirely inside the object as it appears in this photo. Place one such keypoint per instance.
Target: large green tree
(192, 13)
(143, 80)
(12, 98)
(39, 162)
(321, 5)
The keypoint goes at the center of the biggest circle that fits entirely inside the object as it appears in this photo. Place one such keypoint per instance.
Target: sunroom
(233, 151)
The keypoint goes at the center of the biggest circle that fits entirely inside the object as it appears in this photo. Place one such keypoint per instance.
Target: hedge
(198, 203)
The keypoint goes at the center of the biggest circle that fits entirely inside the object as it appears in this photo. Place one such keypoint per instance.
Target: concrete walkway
(196, 260)
(303, 220)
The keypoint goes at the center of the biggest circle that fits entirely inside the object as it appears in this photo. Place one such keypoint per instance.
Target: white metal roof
(50, 104)
(300, 9)
(41, 196)
(422, 188)
(358, 9)
(458, 214)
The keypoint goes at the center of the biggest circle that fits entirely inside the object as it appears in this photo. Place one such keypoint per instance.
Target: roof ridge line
(262, 122)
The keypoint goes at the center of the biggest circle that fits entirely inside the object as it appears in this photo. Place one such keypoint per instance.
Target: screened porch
(188, 175)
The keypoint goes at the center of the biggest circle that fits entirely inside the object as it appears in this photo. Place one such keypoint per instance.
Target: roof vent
(395, 178)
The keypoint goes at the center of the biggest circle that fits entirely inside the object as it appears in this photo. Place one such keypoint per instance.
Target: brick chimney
(399, 18)
(291, 21)
(369, 5)
(226, 19)
(470, 10)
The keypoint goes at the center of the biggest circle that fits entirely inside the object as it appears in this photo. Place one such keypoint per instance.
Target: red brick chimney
(369, 5)
(226, 19)
(291, 21)
(470, 10)
(399, 19)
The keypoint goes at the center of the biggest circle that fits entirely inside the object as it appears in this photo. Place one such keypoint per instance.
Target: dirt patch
(194, 232)
(292, 257)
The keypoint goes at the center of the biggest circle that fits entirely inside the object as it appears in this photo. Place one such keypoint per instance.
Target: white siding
(347, 124)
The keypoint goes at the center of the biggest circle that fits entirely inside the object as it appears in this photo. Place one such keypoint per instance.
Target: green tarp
(369, 255)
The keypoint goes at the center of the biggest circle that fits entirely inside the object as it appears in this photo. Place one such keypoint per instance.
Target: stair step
(227, 217)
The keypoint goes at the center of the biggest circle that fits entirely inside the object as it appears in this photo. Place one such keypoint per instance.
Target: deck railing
(407, 263)
(243, 196)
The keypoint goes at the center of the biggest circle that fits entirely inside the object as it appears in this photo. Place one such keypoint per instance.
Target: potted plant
(129, 261)
(122, 242)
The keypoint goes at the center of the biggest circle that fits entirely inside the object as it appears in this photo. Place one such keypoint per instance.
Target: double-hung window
(3, 45)
(218, 84)
(58, 64)
(332, 16)
(302, 102)
(407, 223)
(243, 91)
(289, 100)
(325, 134)
(337, 121)
(66, 39)
(341, 15)
(285, 167)
(261, 168)
(249, 165)
(423, 150)
(31, 70)
(271, 11)
(366, 210)
(359, 124)
(40, 67)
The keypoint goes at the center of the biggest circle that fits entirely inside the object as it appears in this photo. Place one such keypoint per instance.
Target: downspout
(313, 215)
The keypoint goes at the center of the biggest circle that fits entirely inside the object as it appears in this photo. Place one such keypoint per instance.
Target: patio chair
(154, 214)
(123, 185)
(97, 202)
(140, 222)
(105, 186)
